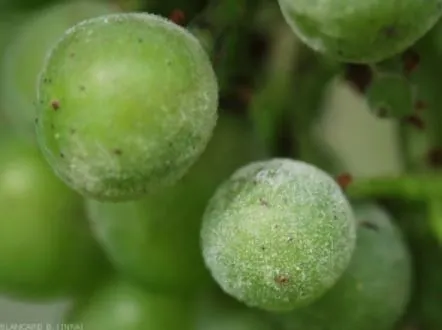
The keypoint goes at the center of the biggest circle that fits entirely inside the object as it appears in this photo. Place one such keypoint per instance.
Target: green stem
(407, 187)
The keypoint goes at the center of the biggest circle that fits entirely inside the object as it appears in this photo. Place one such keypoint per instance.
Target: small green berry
(361, 31)
(278, 234)
(374, 290)
(130, 100)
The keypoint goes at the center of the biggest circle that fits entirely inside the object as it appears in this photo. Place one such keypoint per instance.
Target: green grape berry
(46, 247)
(391, 96)
(119, 304)
(278, 234)
(126, 104)
(25, 56)
(155, 240)
(360, 31)
(374, 290)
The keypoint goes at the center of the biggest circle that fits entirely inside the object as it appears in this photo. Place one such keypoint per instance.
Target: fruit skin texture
(25, 56)
(46, 248)
(374, 290)
(155, 240)
(278, 234)
(360, 31)
(119, 304)
(126, 104)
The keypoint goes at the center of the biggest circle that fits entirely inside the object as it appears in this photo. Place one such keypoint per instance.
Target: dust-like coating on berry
(140, 95)
(278, 234)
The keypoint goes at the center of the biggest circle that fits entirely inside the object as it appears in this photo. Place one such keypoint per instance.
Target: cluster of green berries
(127, 119)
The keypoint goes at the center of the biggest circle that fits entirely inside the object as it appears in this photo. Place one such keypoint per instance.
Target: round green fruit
(46, 248)
(278, 234)
(375, 289)
(25, 56)
(126, 104)
(361, 31)
(120, 305)
(155, 240)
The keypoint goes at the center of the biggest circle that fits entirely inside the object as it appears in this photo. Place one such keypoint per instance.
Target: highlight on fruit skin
(374, 291)
(126, 104)
(23, 58)
(360, 31)
(278, 234)
(46, 247)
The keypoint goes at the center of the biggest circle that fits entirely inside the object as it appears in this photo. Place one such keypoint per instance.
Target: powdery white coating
(375, 287)
(278, 234)
(358, 31)
(136, 103)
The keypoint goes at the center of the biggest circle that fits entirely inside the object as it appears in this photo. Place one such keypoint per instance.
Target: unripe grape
(25, 56)
(155, 240)
(120, 305)
(375, 288)
(360, 31)
(216, 314)
(46, 248)
(278, 234)
(391, 96)
(127, 103)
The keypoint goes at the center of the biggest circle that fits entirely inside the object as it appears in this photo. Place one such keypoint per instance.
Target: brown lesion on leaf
(359, 76)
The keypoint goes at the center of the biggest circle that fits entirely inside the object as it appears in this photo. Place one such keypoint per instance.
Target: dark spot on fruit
(390, 31)
(177, 16)
(410, 60)
(415, 121)
(118, 152)
(263, 248)
(36, 121)
(82, 88)
(369, 225)
(359, 76)
(281, 279)
(420, 105)
(140, 40)
(61, 155)
(344, 180)
(72, 131)
(434, 157)
(55, 105)
(263, 202)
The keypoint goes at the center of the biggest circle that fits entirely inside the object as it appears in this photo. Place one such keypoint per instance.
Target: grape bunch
(161, 167)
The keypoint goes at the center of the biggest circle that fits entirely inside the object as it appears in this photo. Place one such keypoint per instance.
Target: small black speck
(263, 202)
(369, 225)
(263, 248)
(390, 31)
(118, 152)
(55, 105)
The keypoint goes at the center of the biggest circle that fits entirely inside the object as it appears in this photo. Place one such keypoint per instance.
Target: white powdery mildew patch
(283, 238)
